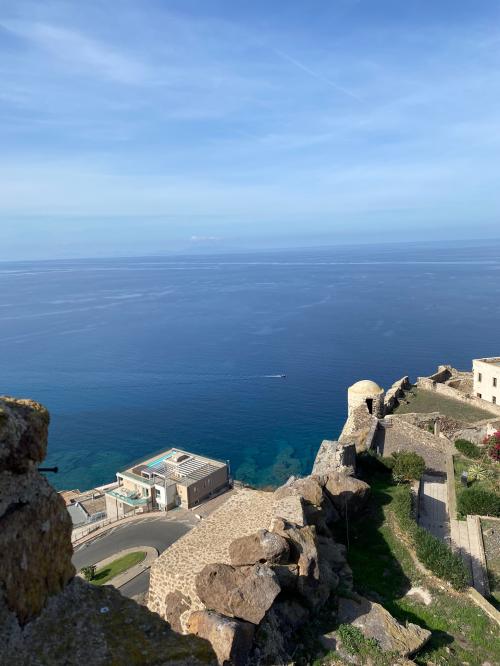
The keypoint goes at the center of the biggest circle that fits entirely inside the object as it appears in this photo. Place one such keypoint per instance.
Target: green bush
(88, 572)
(479, 502)
(469, 449)
(407, 466)
(431, 551)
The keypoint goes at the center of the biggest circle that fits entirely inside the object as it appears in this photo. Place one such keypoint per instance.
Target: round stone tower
(366, 393)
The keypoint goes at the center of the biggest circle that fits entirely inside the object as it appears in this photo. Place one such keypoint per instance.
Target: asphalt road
(158, 532)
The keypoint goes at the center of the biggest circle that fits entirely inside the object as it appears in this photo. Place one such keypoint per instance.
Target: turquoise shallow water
(132, 355)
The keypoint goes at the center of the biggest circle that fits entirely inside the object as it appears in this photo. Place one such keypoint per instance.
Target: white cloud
(75, 48)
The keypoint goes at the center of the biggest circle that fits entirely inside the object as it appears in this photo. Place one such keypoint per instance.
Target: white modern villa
(486, 373)
(169, 479)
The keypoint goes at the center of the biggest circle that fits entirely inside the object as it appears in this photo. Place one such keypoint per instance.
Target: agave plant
(479, 472)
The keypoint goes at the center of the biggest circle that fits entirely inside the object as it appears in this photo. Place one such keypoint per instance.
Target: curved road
(156, 531)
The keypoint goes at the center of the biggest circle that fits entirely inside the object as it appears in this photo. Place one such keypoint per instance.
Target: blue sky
(151, 126)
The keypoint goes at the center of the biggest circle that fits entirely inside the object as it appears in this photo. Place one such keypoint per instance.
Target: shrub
(479, 472)
(493, 446)
(408, 466)
(479, 502)
(469, 449)
(431, 551)
(88, 572)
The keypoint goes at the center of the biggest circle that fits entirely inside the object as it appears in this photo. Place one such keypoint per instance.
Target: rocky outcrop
(34, 523)
(47, 616)
(231, 639)
(375, 622)
(263, 546)
(335, 456)
(242, 592)
(348, 494)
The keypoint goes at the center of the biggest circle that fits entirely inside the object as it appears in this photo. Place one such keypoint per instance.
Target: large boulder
(375, 622)
(348, 494)
(24, 426)
(35, 527)
(316, 578)
(231, 639)
(263, 546)
(242, 592)
(316, 506)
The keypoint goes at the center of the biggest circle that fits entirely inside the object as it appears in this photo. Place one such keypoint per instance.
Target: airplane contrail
(317, 76)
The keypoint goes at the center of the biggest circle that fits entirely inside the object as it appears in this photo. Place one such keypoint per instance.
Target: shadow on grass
(372, 547)
(101, 574)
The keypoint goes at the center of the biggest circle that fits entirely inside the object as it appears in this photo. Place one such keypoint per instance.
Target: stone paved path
(433, 508)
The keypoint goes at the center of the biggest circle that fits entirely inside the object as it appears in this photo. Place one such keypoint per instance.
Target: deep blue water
(132, 355)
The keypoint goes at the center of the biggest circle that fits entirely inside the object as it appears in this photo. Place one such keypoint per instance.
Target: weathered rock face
(24, 426)
(315, 506)
(347, 493)
(231, 639)
(244, 592)
(263, 546)
(85, 624)
(375, 622)
(335, 456)
(176, 603)
(34, 522)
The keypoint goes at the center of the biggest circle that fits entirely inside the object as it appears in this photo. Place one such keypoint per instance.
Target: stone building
(368, 393)
(486, 373)
(172, 478)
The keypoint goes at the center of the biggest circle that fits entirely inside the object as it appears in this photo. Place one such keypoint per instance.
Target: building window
(494, 382)
(479, 376)
(494, 400)
(479, 395)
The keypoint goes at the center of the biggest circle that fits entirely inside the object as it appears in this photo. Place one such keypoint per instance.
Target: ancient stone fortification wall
(448, 391)
(397, 391)
(48, 617)
(397, 434)
(455, 384)
(359, 428)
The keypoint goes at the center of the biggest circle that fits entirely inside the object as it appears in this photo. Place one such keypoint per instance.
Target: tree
(88, 572)
(407, 466)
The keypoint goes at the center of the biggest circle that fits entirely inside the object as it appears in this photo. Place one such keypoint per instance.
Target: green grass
(385, 571)
(118, 566)
(423, 402)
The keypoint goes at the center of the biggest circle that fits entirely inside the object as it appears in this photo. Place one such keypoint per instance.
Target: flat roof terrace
(175, 465)
(492, 360)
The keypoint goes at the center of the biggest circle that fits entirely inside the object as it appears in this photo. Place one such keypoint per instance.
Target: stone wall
(397, 391)
(397, 434)
(47, 616)
(448, 391)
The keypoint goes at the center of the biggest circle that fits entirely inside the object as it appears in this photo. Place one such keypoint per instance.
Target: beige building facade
(171, 478)
(486, 373)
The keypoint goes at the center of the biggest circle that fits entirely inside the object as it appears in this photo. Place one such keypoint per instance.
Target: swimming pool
(158, 461)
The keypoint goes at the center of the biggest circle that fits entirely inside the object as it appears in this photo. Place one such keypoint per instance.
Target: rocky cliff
(47, 616)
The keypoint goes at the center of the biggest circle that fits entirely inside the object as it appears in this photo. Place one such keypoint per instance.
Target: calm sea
(132, 355)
